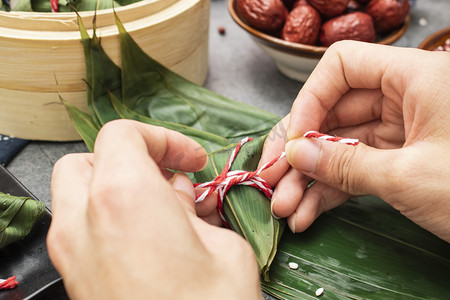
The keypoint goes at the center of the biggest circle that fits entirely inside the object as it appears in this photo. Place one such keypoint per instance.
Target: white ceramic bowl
(295, 60)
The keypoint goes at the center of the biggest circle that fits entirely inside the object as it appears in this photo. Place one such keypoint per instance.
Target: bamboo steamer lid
(36, 48)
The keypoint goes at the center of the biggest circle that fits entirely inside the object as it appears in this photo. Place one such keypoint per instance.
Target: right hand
(396, 101)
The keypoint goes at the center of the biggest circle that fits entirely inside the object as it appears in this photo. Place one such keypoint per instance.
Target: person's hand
(396, 101)
(122, 230)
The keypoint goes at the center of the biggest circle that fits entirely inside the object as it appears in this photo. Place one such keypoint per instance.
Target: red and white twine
(8, 283)
(226, 179)
(54, 5)
(321, 136)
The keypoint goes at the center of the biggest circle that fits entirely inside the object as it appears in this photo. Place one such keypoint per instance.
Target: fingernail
(290, 135)
(291, 222)
(181, 182)
(272, 201)
(302, 154)
(206, 164)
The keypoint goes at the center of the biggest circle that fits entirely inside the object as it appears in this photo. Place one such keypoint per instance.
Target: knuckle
(336, 47)
(104, 200)
(399, 177)
(116, 127)
(344, 178)
(68, 159)
(102, 195)
(58, 243)
(54, 236)
(110, 198)
(114, 124)
(68, 162)
(319, 198)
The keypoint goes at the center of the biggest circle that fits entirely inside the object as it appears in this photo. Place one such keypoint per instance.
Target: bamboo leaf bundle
(362, 249)
(17, 217)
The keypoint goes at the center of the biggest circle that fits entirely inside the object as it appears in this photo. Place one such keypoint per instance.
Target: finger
(207, 209)
(273, 147)
(131, 153)
(69, 188)
(185, 190)
(186, 194)
(213, 219)
(127, 179)
(344, 65)
(207, 206)
(357, 106)
(217, 241)
(70, 185)
(355, 170)
(127, 142)
(167, 173)
(317, 199)
(288, 193)
(375, 134)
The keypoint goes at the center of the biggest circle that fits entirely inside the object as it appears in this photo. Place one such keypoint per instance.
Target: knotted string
(226, 179)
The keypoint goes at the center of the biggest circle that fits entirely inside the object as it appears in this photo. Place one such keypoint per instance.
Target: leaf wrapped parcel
(17, 217)
(246, 209)
(363, 249)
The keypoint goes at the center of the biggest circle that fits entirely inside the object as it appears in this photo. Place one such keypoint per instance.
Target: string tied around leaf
(226, 179)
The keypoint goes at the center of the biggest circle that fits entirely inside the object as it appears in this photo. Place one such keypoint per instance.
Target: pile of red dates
(323, 22)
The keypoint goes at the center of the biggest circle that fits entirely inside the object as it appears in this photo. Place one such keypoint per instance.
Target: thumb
(186, 195)
(355, 170)
(185, 191)
(212, 236)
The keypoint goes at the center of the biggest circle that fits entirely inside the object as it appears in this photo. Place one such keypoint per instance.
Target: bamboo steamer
(36, 48)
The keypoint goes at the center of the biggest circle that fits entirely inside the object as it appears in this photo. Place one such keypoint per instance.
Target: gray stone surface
(239, 70)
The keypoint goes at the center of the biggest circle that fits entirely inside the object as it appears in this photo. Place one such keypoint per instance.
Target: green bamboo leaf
(246, 209)
(352, 252)
(21, 5)
(17, 217)
(153, 90)
(378, 217)
(103, 77)
(83, 123)
(208, 140)
(86, 41)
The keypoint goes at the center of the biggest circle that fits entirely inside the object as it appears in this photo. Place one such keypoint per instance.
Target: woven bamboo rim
(42, 46)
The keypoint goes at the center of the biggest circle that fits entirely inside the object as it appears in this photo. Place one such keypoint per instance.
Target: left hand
(122, 230)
